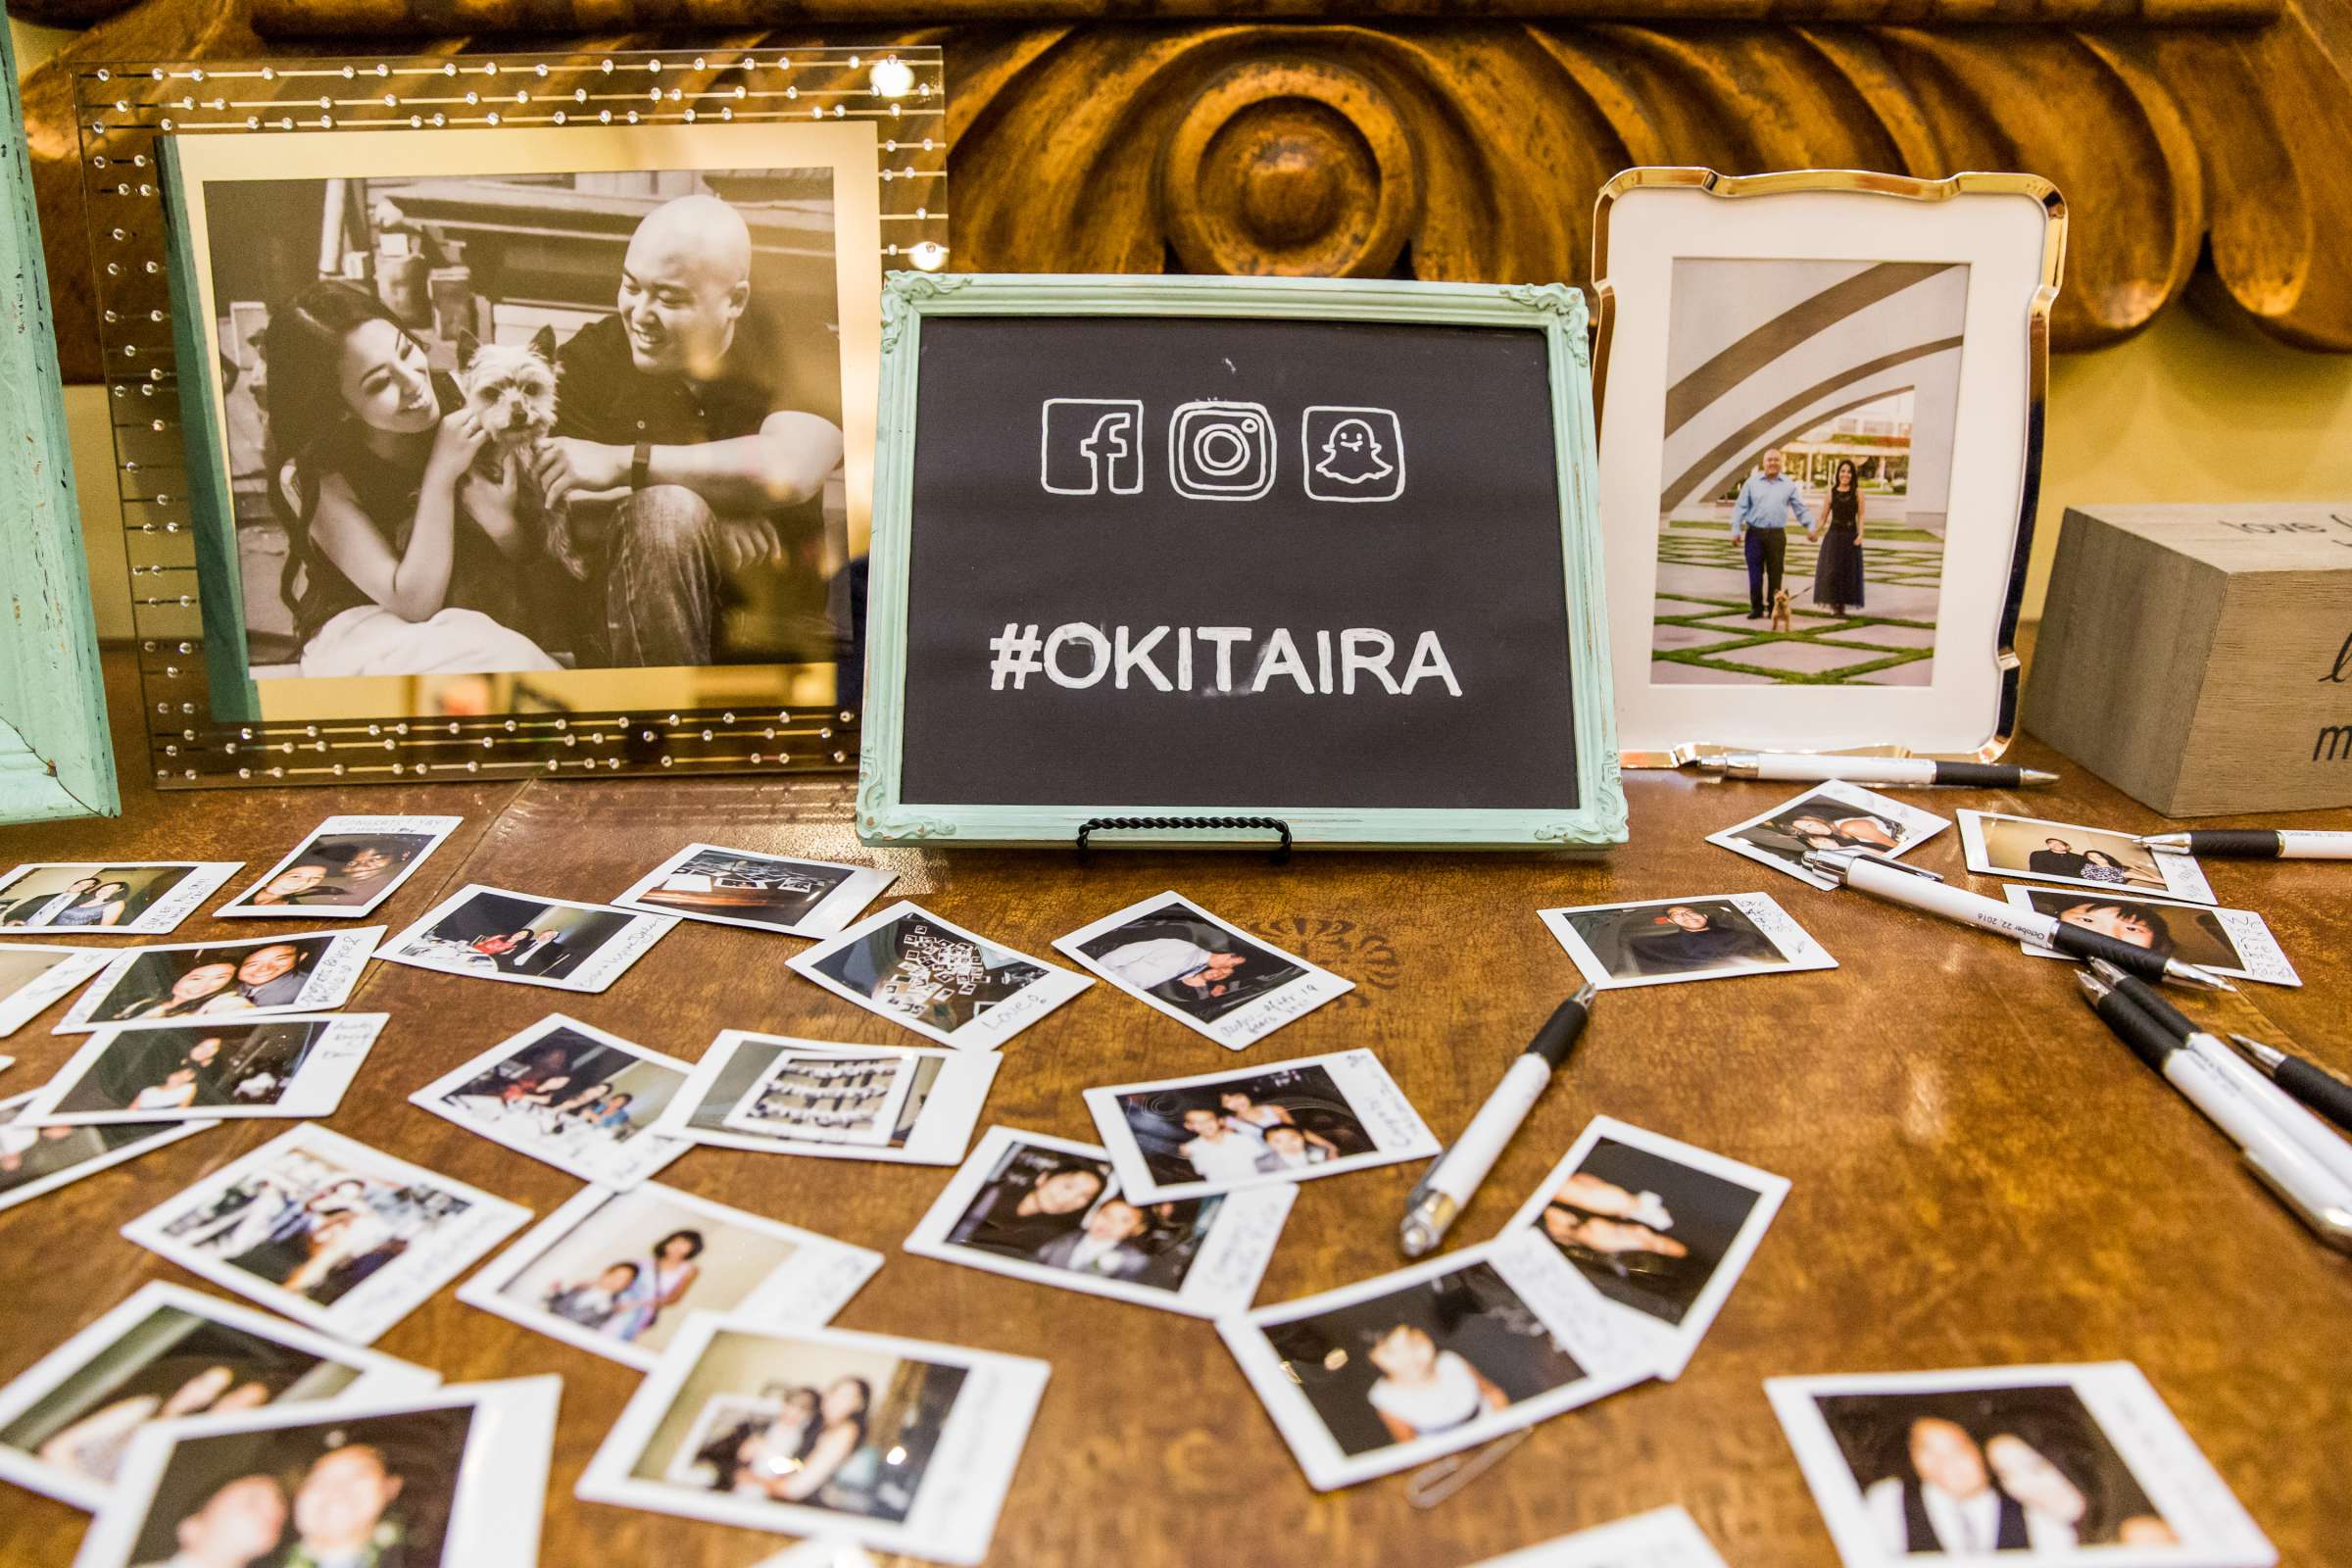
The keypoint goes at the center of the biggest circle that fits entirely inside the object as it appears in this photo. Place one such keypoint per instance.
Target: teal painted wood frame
(1554, 309)
(56, 758)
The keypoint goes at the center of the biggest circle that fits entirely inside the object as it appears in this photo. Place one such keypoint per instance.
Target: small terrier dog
(1782, 619)
(512, 391)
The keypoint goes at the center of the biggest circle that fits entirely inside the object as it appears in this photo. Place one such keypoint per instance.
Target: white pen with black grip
(1819, 768)
(2255, 844)
(1446, 1188)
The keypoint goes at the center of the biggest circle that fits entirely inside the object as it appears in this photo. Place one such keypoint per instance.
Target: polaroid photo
(1663, 1538)
(619, 1273)
(2229, 941)
(893, 1444)
(1836, 816)
(345, 868)
(34, 975)
(1288, 1121)
(1665, 941)
(1209, 974)
(785, 1082)
(1996, 1464)
(441, 1478)
(34, 1161)
(837, 1099)
(570, 1095)
(297, 1065)
(938, 979)
(108, 897)
(527, 939)
(166, 1353)
(327, 1231)
(765, 892)
(1410, 1366)
(2035, 850)
(1051, 1211)
(302, 971)
(1660, 1228)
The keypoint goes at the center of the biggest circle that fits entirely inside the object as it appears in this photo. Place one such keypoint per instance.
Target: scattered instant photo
(2230, 942)
(1407, 1367)
(34, 975)
(1051, 1211)
(302, 971)
(166, 1353)
(443, 1477)
(2042, 851)
(893, 1444)
(569, 1094)
(619, 1273)
(298, 1065)
(765, 892)
(1662, 1229)
(345, 868)
(1664, 942)
(1663, 1538)
(938, 979)
(2061, 1463)
(327, 1231)
(493, 934)
(845, 1100)
(1836, 816)
(34, 1161)
(108, 897)
(1173, 956)
(934, 1119)
(1288, 1121)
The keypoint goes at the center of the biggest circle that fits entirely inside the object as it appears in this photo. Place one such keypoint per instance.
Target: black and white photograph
(2032, 849)
(1660, 1228)
(525, 939)
(618, 1274)
(897, 1444)
(1209, 974)
(164, 1355)
(34, 1161)
(440, 1478)
(109, 898)
(815, 1098)
(932, 1124)
(1664, 942)
(944, 983)
(580, 1099)
(1836, 816)
(1997, 1464)
(799, 898)
(1051, 1211)
(306, 971)
(1395, 1371)
(1663, 1538)
(298, 1065)
(1287, 1121)
(2237, 943)
(33, 977)
(327, 1231)
(344, 869)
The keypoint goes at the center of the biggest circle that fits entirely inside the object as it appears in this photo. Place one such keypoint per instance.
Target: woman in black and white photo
(1837, 576)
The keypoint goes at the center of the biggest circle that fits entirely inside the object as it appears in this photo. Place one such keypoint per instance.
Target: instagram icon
(1221, 451)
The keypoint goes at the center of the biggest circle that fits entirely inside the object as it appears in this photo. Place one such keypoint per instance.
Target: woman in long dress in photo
(400, 559)
(1837, 574)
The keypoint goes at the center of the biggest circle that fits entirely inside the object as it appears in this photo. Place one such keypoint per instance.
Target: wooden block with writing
(2200, 657)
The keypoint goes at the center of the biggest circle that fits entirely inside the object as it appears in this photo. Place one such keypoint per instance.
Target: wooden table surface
(1982, 1174)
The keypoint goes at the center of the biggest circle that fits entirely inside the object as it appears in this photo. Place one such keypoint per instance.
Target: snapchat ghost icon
(1353, 455)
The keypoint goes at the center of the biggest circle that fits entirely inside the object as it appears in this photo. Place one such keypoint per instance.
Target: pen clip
(1897, 866)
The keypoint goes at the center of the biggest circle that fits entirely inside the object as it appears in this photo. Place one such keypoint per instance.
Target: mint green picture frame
(908, 299)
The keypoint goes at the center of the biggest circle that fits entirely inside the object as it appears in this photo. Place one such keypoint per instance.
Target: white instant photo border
(2184, 878)
(1796, 947)
(155, 1136)
(2258, 956)
(1245, 1026)
(435, 829)
(987, 1031)
(1913, 827)
(69, 967)
(808, 1288)
(943, 1121)
(878, 1123)
(603, 964)
(1223, 1275)
(327, 986)
(377, 1374)
(327, 1067)
(1663, 1538)
(181, 900)
(824, 918)
(622, 1164)
(2010, 231)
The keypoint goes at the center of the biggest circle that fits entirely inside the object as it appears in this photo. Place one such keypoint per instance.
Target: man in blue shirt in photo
(1760, 526)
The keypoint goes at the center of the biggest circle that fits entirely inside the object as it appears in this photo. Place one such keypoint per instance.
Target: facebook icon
(1094, 445)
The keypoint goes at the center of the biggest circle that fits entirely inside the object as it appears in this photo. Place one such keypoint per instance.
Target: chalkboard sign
(1190, 547)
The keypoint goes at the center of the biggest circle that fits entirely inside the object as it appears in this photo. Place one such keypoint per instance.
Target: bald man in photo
(678, 462)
